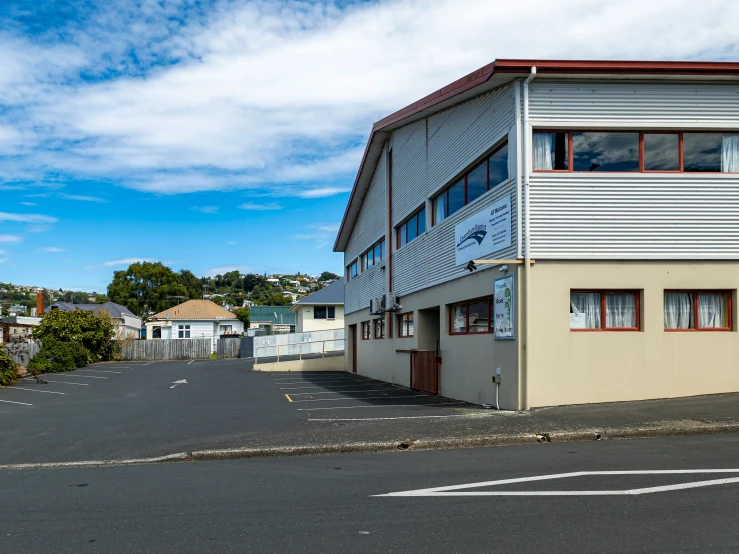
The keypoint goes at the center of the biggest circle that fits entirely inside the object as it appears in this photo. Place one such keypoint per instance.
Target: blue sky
(223, 134)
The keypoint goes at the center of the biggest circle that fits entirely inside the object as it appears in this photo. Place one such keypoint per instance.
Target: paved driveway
(134, 410)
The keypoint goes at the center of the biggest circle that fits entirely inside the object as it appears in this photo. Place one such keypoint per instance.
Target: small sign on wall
(504, 308)
(487, 231)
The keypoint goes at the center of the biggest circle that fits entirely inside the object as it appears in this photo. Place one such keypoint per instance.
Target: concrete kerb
(395, 446)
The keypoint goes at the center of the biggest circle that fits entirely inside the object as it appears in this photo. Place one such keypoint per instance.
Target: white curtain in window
(543, 150)
(710, 310)
(730, 154)
(678, 310)
(587, 303)
(440, 208)
(620, 310)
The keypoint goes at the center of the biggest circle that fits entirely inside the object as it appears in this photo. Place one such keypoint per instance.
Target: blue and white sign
(504, 308)
(484, 233)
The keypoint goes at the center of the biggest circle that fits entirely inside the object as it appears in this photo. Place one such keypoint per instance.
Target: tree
(80, 298)
(276, 299)
(327, 275)
(243, 315)
(192, 284)
(146, 286)
(93, 330)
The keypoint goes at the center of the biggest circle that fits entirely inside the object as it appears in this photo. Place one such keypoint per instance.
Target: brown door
(354, 347)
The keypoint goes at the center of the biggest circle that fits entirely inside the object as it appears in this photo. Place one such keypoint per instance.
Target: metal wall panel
(351, 297)
(634, 216)
(371, 222)
(460, 135)
(409, 267)
(409, 169)
(673, 104)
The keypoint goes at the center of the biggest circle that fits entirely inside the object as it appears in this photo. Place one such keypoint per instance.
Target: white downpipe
(519, 179)
(527, 235)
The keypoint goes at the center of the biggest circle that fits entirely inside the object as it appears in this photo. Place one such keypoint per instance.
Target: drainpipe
(527, 235)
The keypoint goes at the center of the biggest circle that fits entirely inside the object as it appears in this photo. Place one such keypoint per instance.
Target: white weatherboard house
(322, 310)
(193, 319)
(599, 205)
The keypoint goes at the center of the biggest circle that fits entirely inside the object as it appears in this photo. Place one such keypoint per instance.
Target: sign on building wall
(487, 231)
(504, 308)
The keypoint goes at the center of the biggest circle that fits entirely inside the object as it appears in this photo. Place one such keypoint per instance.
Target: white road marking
(381, 406)
(180, 382)
(390, 418)
(149, 363)
(294, 394)
(453, 489)
(365, 398)
(320, 387)
(36, 390)
(319, 383)
(100, 370)
(80, 376)
(188, 363)
(11, 402)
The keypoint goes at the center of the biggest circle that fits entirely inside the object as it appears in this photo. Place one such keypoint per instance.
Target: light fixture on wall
(503, 268)
(471, 266)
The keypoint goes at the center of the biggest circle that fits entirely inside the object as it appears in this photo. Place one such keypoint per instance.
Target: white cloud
(53, 249)
(82, 198)
(127, 261)
(205, 209)
(232, 242)
(10, 238)
(334, 228)
(26, 218)
(226, 269)
(260, 207)
(29, 203)
(281, 95)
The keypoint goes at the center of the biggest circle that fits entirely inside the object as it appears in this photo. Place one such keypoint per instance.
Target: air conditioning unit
(391, 302)
(376, 305)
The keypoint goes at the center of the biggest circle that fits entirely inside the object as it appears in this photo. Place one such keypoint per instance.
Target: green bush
(56, 356)
(7, 368)
(94, 331)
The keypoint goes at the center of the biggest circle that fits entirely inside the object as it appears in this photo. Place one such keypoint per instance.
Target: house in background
(321, 310)
(280, 318)
(194, 319)
(126, 323)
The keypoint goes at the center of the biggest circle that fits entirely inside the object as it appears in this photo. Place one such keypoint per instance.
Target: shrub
(56, 356)
(7, 368)
(93, 330)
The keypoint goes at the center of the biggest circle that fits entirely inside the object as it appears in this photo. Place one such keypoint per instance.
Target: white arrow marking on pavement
(454, 489)
(180, 382)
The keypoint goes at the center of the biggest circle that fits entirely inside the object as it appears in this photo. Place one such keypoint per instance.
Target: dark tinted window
(421, 217)
(661, 152)
(412, 228)
(702, 151)
(498, 167)
(331, 312)
(319, 312)
(456, 197)
(594, 151)
(477, 182)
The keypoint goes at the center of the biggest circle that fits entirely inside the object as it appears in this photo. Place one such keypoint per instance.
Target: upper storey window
(477, 181)
(635, 151)
(413, 228)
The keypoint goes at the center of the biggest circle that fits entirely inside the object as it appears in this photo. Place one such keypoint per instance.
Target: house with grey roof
(322, 310)
(279, 318)
(127, 324)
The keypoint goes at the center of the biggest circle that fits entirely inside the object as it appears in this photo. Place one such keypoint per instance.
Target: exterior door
(353, 331)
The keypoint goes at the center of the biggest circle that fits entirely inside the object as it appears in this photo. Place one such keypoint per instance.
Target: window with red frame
(471, 317)
(374, 255)
(413, 228)
(483, 177)
(366, 330)
(698, 310)
(379, 328)
(352, 270)
(636, 151)
(605, 310)
(405, 325)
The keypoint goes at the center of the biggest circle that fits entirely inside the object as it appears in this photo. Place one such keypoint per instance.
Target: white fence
(299, 344)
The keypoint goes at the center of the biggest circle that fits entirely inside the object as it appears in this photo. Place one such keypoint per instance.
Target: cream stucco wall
(305, 323)
(582, 367)
(468, 361)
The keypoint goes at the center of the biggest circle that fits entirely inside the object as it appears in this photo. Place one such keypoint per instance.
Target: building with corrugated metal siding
(542, 233)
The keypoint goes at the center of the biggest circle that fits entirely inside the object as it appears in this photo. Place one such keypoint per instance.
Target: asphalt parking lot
(124, 411)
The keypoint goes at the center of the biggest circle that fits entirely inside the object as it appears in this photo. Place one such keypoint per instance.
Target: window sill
(701, 330)
(616, 330)
(471, 334)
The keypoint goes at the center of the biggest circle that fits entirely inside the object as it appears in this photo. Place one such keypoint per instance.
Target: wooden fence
(229, 348)
(22, 352)
(166, 349)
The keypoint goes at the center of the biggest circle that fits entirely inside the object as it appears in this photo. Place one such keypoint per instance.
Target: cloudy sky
(224, 134)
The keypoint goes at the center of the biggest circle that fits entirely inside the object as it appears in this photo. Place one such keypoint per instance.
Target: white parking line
(100, 370)
(80, 376)
(301, 388)
(66, 383)
(339, 381)
(36, 390)
(387, 418)
(381, 406)
(11, 402)
(294, 394)
(366, 398)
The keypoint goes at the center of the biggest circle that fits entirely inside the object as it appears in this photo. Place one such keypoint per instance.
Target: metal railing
(300, 347)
